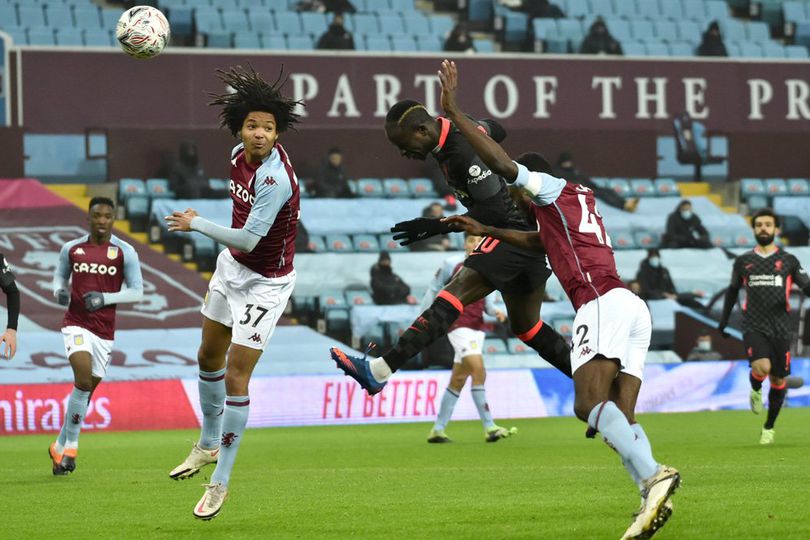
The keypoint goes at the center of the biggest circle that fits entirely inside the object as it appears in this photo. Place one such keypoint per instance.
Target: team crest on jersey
(79, 251)
(112, 252)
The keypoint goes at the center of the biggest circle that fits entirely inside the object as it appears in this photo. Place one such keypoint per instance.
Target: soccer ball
(142, 31)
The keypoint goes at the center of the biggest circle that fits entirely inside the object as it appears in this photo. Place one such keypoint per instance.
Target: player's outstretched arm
(190, 220)
(730, 300)
(529, 240)
(490, 152)
(9, 286)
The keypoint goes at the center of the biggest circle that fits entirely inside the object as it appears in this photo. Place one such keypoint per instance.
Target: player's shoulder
(273, 173)
(70, 244)
(125, 246)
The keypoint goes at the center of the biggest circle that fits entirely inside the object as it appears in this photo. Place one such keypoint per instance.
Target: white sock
(448, 403)
(380, 370)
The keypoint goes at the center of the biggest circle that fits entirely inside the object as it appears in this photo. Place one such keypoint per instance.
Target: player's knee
(583, 406)
(85, 384)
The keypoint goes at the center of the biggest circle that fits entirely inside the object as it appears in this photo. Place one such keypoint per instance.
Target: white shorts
(78, 339)
(245, 301)
(466, 342)
(615, 325)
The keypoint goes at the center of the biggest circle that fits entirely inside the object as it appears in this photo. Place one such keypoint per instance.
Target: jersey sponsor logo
(765, 280)
(112, 252)
(241, 193)
(94, 268)
(256, 337)
(477, 178)
(79, 251)
(474, 171)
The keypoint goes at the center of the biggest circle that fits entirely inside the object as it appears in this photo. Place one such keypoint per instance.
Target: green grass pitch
(385, 481)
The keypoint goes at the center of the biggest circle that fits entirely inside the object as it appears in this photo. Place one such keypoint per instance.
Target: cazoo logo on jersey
(95, 268)
(241, 193)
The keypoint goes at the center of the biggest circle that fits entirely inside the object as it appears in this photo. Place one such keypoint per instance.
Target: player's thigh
(475, 365)
(216, 338)
(468, 286)
(758, 349)
(215, 305)
(241, 363)
(81, 362)
(79, 351)
(458, 376)
(780, 360)
(523, 309)
(256, 309)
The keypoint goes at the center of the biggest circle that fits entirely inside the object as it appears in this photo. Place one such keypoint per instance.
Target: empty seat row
(364, 243)
(640, 187)
(495, 345)
(392, 187)
(796, 11)
(698, 10)
(773, 187)
(57, 16)
(152, 187)
(254, 40)
(75, 37)
(380, 6)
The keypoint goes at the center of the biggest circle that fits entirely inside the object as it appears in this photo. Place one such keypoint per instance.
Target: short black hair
(407, 113)
(683, 203)
(534, 161)
(100, 200)
(252, 93)
(764, 212)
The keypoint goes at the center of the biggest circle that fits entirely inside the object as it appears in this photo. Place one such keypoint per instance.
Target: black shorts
(509, 269)
(758, 345)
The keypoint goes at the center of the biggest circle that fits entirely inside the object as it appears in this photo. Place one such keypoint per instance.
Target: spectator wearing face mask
(567, 169)
(387, 288)
(703, 350)
(655, 283)
(684, 229)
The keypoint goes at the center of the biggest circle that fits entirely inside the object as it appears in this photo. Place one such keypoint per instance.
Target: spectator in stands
(331, 6)
(336, 37)
(655, 283)
(331, 181)
(459, 39)
(535, 8)
(567, 169)
(703, 350)
(439, 242)
(600, 41)
(712, 44)
(386, 287)
(684, 229)
(186, 174)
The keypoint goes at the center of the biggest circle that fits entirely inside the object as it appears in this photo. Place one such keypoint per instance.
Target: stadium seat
(619, 29)
(421, 187)
(275, 5)
(750, 50)
(721, 238)
(158, 188)
(128, 187)
(402, 6)
(480, 14)
(391, 24)
(751, 186)
(69, 36)
(689, 31)
(717, 10)
(41, 35)
(219, 40)
(625, 9)
(288, 23)
(441, 25)
(494, 346)
(757, 202)
(317, 243)
(657, 49)
(798, 186)
(516, 346)
(137, 212)
(261, 21)
(667, 187)
(87, 17)
(369, 187)
(396, 188)
(365, 243)
(378, 43)
(564, 327)
(339, 243)
(109, 18)
(430, 43)
(622, 239)
(649, 9)
(634, 48)
(300, 43)
(234, 20)
(642, 187)
(620, 186)
(743, 238)
(482, 45)
(358, 297)
(796, 51)
(98, 38)
(314, 24)
(603, 8)
(58, 16)
(775, 187)
(273, 41)
(672, 9)
(8, 15)
(387, 243)
(646, 239)
(416, 23)
(681, 48)
(246, 40)
(362, 23)
(694, 10)
(772, 49)
(181, 20)
(207, 21)
(642, 30)
(30, 15)
(666, 31)
(758, 31)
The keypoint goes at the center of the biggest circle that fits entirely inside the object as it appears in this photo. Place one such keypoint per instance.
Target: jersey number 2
(590, 224)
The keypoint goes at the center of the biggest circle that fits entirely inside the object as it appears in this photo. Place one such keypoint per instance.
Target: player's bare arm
(528, 240)
(490, 152)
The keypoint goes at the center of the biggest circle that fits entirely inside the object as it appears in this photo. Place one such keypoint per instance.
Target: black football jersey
(767, 281)
(473, 183)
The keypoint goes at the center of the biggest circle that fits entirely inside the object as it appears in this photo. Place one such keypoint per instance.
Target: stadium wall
(300, 400)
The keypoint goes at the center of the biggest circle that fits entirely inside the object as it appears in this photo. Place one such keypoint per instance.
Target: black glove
(418, 229)
(93, 301)
(722, 329)
(63, 297)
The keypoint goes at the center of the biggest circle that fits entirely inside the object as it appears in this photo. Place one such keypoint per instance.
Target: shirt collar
(444, 131)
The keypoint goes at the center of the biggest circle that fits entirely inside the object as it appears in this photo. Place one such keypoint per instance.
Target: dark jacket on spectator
(654, 282)
(542, 9)
(336, 38)
(599, 41)
(712, 44)
(387, 288)
(685, 233)
(459, 39)
(331, 182)
(186, 175)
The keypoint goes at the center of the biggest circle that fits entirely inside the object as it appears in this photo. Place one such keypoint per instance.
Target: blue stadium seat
(378, 43)
(261, 21)
(516, 346)
(314, 23)
(642, 30)
(772, 49)
(69, 36)
(480, 12)
(275, 5)
(672, 9)
(416, 23)
(733, 50)
(302, 42)
(40, 35)
(603, 8)
(622, 239)
(87, 17)
(642, 187)
(600, 181)
(98, 38)
(363, 23)
(657, 49)
(317, 243)
(396, 188)
(750, 50)
(757, 202)
(404, 44)
(402, 6)
(430, 43)
(775, 187)
(196, 4)
(8, 15)
(750, 187)
(109, 18)
(246, 40)
(358, 297)
(649, 9)
(666, 30)
(158, 188)
(441, 25)
(667, 187)
(619, 29)
(234, 20)
(339, 243)
(694, 10)
(226, 5)
(721, 238)
(391, 24)
(758, 31)
(540, 27)
(494, 346)
(620, 186)
(137, 211)
(743, 238)
(388, 243)
(273, 41)
(218, 184)
(689, 31)
(625, 8)
(796, 51)
(31, 15)
(634, 48)
(717, 10)
(365, 243)
(288, 23)
(128, 187)
(58, 16)
(646, 239)
(798, 186)
(207, 20)
(369, 187)
(515, 27)
(219, 40)
(681, 48)
(421, 187)
(331, 299)
(794, 11)
(564, 326)
(181, 20)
